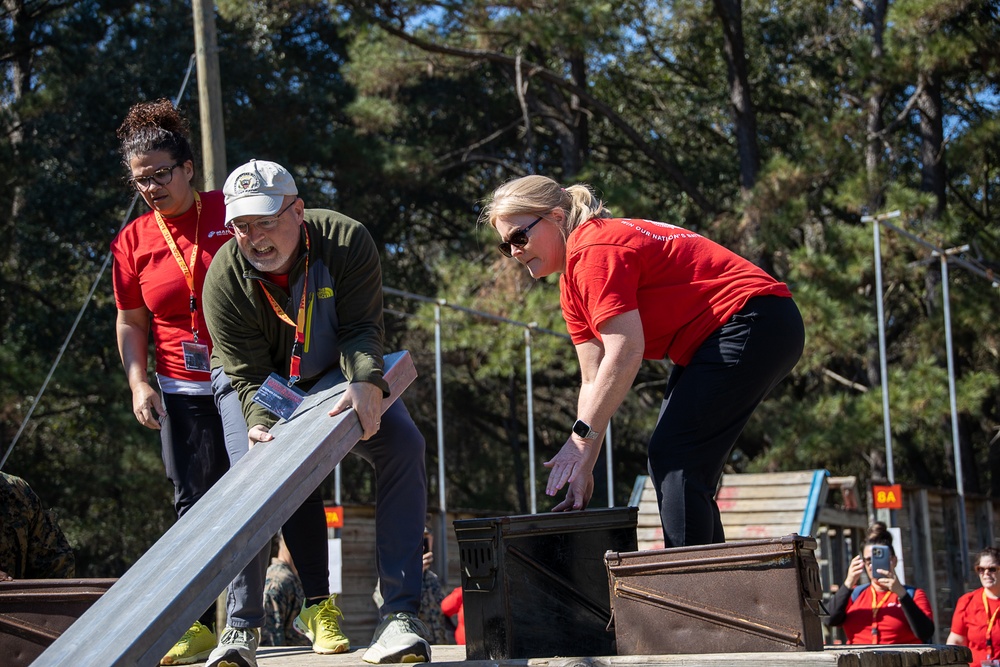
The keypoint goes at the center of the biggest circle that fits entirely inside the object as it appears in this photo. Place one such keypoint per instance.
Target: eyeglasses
(989, 569)
(263, 224)
(518, 239)
(160, 177)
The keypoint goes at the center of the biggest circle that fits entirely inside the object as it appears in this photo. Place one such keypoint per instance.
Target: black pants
(194, 454)
(193, 447)
(706, 405)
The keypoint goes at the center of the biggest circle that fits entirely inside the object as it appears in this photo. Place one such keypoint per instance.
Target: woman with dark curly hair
(160, 262)
(974, 623)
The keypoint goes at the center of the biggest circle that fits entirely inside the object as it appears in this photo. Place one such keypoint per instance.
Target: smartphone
(880, 560)
(427, 544)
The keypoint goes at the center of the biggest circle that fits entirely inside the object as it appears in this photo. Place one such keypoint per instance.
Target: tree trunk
(876, 104)
(20, 64)
(730, 13)
(933, 174)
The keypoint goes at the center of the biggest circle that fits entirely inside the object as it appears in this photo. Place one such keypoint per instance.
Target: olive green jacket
(343, 312)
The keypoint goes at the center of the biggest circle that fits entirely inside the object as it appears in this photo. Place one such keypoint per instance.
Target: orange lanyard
(300, 319)
(989, 625)
(875, 607)
(179, 258)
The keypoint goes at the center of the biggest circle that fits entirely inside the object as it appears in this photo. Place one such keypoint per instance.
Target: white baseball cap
(257, 188)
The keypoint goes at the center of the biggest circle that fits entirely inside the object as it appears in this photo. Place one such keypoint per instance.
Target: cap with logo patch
(257, 188)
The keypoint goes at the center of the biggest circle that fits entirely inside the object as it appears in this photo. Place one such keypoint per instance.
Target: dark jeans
(396, 453)
(706, 405)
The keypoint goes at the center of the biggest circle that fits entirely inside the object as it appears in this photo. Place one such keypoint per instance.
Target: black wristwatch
(582, 429)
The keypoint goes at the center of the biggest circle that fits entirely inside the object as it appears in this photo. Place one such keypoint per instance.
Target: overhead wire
(93, 288)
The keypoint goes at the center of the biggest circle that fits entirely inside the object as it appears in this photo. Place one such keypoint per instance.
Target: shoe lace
(327, 616)
(399, 624)
(236, 636)
(188, 636)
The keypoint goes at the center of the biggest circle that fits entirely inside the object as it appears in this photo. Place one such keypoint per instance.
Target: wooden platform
(834, 656)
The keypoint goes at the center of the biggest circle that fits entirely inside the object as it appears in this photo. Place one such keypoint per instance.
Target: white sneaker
(237, 648)
(398, 639)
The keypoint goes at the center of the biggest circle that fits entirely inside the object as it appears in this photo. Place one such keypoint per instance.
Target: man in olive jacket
(298, 293)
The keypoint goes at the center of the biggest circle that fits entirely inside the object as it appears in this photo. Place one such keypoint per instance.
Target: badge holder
(196, 356)
(279, 398)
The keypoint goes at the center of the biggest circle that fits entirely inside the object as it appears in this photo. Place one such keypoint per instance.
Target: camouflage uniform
(31, 544)
(441, 631)
(283, 599)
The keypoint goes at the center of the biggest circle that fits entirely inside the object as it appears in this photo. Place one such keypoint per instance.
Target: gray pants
(396, 453)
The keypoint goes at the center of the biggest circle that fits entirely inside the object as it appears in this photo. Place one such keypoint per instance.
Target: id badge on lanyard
(278, 396)
(196, 356)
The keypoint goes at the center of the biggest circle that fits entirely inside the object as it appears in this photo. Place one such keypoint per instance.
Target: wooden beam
(156, 601)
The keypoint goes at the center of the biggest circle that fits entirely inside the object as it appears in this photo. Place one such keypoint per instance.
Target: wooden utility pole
(213, 136)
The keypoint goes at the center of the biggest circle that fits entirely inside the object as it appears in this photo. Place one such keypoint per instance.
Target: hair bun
(160, 115)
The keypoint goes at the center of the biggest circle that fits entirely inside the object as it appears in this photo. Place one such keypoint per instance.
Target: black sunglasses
(518, 239)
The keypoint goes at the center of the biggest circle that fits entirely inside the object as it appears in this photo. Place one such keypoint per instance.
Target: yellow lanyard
(179, 258)
(989, 625)
(875, 607)
(300, 320)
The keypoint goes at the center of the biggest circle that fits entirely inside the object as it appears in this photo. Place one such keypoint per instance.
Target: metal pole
(531, 416)
(442, 504)
(610, 467)
(890, 472)
(959, 481)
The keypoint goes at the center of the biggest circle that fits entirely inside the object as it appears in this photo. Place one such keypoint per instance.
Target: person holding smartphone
(974, 623)
(883, 611)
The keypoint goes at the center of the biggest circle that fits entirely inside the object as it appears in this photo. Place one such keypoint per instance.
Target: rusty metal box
(34, 612)
(536, 586)
(761, 595)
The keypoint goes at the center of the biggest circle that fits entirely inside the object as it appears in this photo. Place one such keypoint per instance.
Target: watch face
(581, 428)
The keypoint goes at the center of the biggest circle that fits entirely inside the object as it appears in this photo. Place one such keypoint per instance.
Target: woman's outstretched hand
(571, 466)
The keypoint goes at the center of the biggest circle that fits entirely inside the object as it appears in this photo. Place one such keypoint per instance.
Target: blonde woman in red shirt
(636, 289)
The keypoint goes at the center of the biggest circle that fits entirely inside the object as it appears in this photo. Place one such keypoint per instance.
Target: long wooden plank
(142, 615)
(746, 518)
(763, 492)
(768, 478)
(764, 505)
(832, 656)
(759, 531)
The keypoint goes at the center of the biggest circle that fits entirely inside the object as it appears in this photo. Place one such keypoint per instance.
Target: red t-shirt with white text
(146, 275)
(970, 620)
(684, 286)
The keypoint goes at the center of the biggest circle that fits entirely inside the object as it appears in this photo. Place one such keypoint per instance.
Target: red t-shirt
(146, 275)
(684, 285)
(893, 627)
(970, 620)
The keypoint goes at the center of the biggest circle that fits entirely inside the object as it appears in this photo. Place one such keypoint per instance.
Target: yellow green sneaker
(321, 624)
(194, 646)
